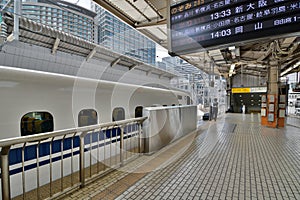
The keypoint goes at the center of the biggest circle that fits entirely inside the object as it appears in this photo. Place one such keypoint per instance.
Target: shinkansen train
(35, 102)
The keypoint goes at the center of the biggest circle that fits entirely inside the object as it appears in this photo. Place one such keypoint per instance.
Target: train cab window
(36, 122)
(118, 114)
(138, 111)
(87, 117)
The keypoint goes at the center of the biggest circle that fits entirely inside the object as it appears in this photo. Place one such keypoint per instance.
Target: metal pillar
(81, 161)
(122, 146)
(5, 178)
(17, 10)
(211, 87)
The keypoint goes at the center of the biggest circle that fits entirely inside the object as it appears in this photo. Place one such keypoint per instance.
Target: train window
(36, 122)
(188, 101)
(138, 111)
(118, 114)
(87, 117)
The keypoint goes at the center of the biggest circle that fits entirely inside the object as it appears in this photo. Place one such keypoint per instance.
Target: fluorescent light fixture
(231, 48)
(290, 68)
(232, 66)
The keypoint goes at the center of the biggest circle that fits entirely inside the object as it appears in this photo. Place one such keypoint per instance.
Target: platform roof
(41, 35)
(150, 18)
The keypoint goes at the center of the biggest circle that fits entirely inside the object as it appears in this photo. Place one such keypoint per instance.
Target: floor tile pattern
(235, 158)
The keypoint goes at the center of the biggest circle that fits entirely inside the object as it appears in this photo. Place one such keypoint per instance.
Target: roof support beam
(161, 75)
(154, 9)
(129, 2)
(141, 25)
(91, 54)
(149, 72)
(113, 63)
(55, 45)
(132, 66)
(108, 6)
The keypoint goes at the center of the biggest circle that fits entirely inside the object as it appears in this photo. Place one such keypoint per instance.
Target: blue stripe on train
(30, 152)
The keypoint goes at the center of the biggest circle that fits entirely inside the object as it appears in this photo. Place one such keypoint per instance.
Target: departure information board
(206, 23)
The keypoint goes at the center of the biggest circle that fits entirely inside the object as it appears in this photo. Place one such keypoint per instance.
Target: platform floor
(233, 158)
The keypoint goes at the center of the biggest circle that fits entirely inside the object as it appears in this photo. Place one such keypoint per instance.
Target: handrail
(43, 136)
(99, 130)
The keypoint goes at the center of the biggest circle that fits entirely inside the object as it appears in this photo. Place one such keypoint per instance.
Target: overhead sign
(249, 90)
(197, 24)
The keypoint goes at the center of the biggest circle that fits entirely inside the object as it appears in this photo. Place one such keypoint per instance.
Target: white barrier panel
(293, 121)
(166, 124)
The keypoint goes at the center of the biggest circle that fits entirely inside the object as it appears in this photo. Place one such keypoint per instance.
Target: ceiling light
(232, 66)
(231, 48)
(290, 68)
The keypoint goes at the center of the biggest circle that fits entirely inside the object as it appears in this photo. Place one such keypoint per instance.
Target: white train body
(64, 97)
(25, 91)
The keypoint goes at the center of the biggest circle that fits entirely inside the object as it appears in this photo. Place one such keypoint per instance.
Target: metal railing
(51, 164)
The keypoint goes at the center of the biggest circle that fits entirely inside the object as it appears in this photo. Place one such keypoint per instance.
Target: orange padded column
(270, 108)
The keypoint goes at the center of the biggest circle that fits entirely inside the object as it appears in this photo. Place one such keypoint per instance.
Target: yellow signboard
(240, 90)
(249, 90)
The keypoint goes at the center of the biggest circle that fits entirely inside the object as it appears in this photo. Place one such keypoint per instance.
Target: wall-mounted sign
(281, 113)
(240, 90)
(249, 90)
(197, 24)
(271, 98)
(264, 99)
(281, 105)
(263, 105)
(282, 98)
(258, 89)
(271, 108)
(271, 117)
(263, 112)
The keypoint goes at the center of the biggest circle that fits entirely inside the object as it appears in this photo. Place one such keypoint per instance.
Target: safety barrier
(50, 164)
(293, 121)
(167, 124)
